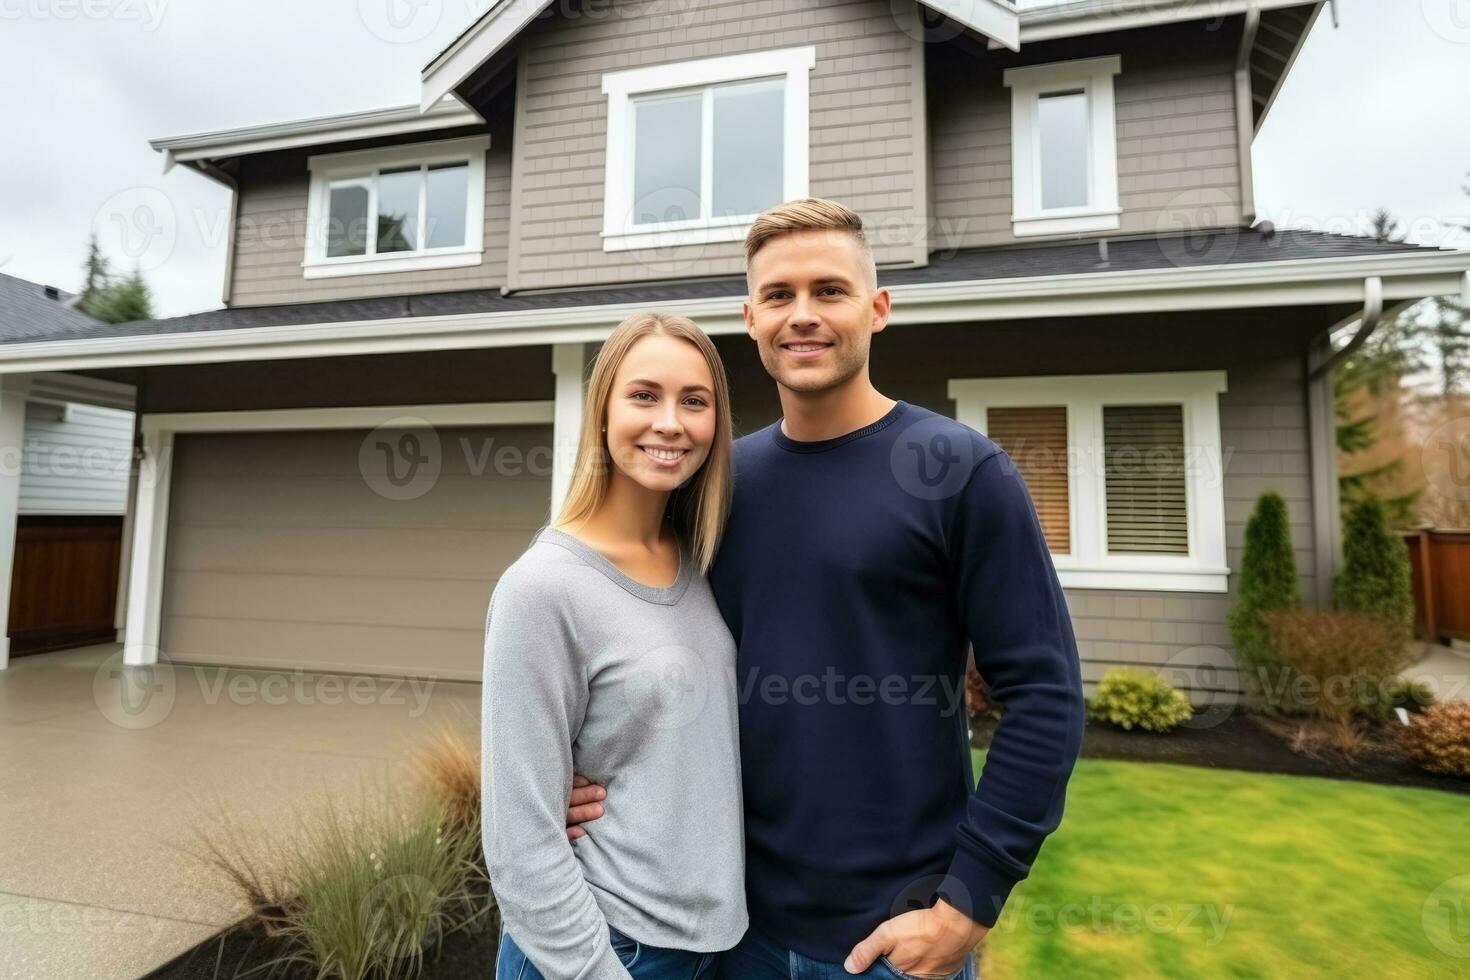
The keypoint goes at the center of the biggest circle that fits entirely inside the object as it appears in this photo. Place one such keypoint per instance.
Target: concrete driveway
(103, 783)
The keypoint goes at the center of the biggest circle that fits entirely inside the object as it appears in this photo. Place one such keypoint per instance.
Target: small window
(1143, 453)
(697, 149)
(1036, 441)
(1064, 166)
(396, 209)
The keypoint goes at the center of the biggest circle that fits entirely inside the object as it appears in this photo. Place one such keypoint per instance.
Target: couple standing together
(645, 813)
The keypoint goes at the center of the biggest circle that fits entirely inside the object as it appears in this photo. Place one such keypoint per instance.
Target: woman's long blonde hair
(699, 507)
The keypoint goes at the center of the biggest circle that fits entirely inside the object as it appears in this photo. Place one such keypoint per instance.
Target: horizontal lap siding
(1177, 165)
(270, 237)
(862, 125)
(1263, 428)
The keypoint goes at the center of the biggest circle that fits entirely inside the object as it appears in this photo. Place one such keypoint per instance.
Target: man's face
(813, 308)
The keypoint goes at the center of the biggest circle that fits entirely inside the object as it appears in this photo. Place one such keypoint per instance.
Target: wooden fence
(1441, 569)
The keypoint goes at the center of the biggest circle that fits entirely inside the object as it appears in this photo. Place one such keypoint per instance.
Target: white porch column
(568, 365)
(150, 525)
(125, 559)
(13, 391)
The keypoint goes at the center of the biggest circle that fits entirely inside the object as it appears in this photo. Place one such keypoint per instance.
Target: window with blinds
(1036, 440)
(1143, 454)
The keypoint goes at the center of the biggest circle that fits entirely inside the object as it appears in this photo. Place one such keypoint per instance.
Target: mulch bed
(1239, 741)
(239, 953)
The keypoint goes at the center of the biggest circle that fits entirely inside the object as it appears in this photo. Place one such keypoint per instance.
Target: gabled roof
(499, 25)
(1225, 268)
(28, 313)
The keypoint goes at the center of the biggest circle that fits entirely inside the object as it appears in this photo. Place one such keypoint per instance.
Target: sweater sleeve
(533, 701)
(1016, 617)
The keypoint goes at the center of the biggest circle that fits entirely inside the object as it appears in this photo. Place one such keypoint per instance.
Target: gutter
(1300, 282)
(1245, 129)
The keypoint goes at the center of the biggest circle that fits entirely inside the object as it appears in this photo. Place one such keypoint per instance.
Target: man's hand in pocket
(585, 805)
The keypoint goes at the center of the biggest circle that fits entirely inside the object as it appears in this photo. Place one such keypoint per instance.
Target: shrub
(1439, 738)
(1268, 582)
(1337, 664)
(1412, 696)
(1128, 698)
(1375, 576)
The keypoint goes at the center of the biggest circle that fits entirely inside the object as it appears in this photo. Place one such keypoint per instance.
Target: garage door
(346, 550)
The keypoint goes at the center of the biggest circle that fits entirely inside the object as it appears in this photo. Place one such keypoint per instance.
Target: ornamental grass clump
(1438, 738)
(1132, 698)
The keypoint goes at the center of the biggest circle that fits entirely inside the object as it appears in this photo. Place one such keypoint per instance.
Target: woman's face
(661, 412)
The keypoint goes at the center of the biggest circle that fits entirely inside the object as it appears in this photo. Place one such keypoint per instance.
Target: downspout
(1322, 440)
(219, 176)
(1245, 124)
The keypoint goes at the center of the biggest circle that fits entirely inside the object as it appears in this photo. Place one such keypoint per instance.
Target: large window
(696, 150)
(1125, 472)
(396, 209)
(1064, 147)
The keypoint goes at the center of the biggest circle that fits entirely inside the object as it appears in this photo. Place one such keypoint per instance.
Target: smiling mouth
(663, 455)
(805, 347)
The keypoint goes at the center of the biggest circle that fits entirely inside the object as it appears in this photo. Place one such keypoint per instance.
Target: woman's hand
(585, 805)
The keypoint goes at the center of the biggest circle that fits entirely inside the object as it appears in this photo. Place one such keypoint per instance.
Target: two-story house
(338, 463)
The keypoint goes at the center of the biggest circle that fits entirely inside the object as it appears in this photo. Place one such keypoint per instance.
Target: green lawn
(1174, 871)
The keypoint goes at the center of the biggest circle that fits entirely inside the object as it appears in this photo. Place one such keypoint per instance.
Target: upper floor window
(1125, 472)
(1064, 155)
(696, 150)
(396, 209)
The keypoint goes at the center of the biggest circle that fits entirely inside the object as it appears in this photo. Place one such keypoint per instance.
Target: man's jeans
(758, 958)
(643, 962)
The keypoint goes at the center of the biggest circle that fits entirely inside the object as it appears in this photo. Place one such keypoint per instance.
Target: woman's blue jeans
(643, 962)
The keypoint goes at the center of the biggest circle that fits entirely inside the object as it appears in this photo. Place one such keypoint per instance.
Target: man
(870, 542)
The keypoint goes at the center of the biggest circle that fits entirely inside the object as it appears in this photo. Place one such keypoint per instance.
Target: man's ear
(749, 319)
(882, 305)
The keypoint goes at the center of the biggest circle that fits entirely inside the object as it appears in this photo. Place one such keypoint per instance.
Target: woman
(605, 652)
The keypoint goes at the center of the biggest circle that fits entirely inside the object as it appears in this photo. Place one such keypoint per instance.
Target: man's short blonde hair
(807, 214)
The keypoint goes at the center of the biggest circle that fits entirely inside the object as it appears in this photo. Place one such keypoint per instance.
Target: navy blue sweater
(854, 574)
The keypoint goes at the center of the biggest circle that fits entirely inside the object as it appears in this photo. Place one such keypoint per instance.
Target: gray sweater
(634, 687)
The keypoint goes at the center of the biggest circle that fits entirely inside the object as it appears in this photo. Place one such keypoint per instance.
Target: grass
(1171, 871)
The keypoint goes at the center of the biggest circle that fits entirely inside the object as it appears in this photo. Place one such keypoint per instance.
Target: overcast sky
(1374, 115)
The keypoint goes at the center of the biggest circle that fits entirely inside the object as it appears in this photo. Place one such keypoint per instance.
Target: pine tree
(1375, 576)
(96, 276)
(1268, 582)
(119, 302)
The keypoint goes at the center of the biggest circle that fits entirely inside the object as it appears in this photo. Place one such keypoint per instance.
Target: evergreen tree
(119, 302)
(1375, 578)
(95, 276)
(1268, 582)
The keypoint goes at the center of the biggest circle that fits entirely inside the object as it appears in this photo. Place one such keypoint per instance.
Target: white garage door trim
(145, 595)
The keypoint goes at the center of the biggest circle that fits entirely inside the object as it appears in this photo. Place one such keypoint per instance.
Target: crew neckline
(822, 445)
(667, 595)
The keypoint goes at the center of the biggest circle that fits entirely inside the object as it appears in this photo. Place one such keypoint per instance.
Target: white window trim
(1094, 76)
(618, 231)
(327, 167)
(1089, 565)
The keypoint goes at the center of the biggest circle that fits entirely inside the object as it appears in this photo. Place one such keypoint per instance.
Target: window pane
(667, 138)
(1062, 119)
(447, 197)
(398, 209)
(1143, 458)
(750, 132)
(347, 218)
(1036, 440)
